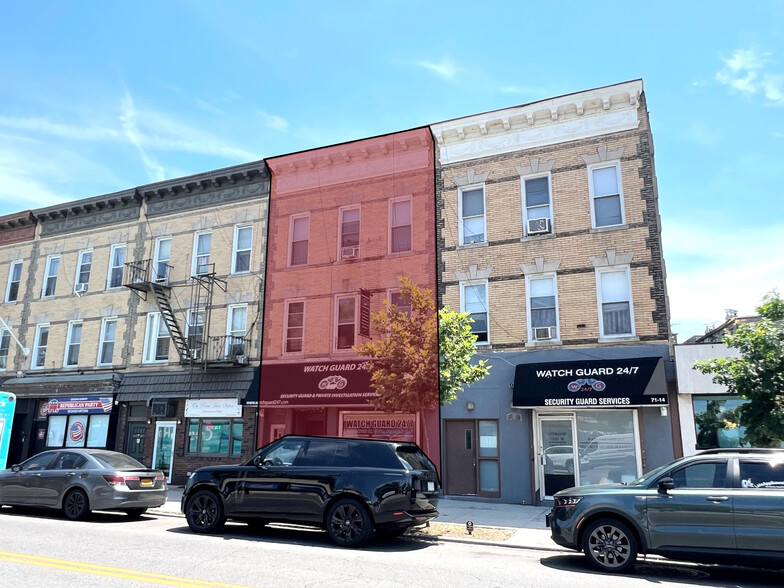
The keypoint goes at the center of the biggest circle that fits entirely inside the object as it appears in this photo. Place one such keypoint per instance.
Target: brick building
(549, 235)
(345, 222)
(96, 286)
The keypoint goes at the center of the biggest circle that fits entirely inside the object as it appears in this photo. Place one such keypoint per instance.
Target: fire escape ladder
(164, 305)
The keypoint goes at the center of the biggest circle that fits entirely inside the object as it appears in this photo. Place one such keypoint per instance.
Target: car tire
(610, 546)
(204, 512)
(76, 505)
(349, 523)
(135, 513)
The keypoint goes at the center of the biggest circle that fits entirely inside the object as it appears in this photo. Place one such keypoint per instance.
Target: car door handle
(717, 498)
(36, 475)
(70, 475)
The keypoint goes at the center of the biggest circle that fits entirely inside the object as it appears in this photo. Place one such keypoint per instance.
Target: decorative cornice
(566, 118)
(17, 228)
(88, 213)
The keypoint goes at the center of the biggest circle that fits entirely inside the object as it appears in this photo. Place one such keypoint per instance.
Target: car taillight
(114, 480)
(159, 478)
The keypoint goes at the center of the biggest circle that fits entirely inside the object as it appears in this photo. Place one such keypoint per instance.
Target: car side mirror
(257, 461)
(16, 467)
(666, 484)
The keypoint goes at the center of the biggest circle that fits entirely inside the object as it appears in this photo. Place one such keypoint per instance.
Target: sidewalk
(528, 521)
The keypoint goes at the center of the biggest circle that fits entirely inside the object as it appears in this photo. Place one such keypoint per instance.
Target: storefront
(332, 398)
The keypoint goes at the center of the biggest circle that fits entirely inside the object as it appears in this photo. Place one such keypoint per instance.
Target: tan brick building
(94, 288)
(549, 235)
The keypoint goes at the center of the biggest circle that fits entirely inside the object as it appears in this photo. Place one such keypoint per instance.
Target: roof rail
(742, 450)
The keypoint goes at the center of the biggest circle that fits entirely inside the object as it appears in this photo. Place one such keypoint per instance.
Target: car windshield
(118, 461)
(648, 476)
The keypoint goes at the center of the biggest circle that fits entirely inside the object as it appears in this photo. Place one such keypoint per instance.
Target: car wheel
(610, 546)
(135, 513)
(348, 523)
(76, 506)
(204, 512)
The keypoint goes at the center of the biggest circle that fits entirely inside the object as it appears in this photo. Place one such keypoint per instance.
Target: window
(73, 343)
(349, 233)
(156, 339)
(761, 474)
(215, 437)
(489, 478)
(401, 303)
(202, 243)
(116, 265)
(474, 302)
(716, 421)
(194, 332)
(472, 215)
(346, 322)
(325, 454)
(39, 348)
(235, 330)
(5, 346)
(50, 277)
(83, 267)
(295, 326)
(14, 277)
(606, 195)
(95, 425)
(542, 308)
(243, 241)
(615, 303)
(300, 230)
(161, 261)
(711, 474)
(537, 215)
(106, 345)
(400, 226)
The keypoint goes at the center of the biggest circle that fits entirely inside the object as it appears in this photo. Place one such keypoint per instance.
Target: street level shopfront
(546, 420)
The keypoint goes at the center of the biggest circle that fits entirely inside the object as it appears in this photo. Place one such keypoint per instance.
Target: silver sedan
(78, 481)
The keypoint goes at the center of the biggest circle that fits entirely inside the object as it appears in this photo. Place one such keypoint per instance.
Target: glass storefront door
(164, 447)
(556, 454)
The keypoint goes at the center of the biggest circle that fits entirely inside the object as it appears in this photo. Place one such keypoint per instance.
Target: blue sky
(98, 97)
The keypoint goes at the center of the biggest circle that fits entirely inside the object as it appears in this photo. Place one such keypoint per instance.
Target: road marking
(99, 570)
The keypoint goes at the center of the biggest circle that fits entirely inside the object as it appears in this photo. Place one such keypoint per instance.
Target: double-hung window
(5, 346)
(73, 343)
(83, 267)
(615, 302)
(542, 308)
(349, 233)
(243, 241)
(50, 276)
(202, 243)
(156, 339)
(474, 301)
(346, 324)
(116, 266)
(400, 226)
(161, 260)
(194, 332)
(108, 338)
(14, 278)
(471, 204)
(295, 326)
(298, 246)
(537, 211)
(39, 347)
(400, 303)
(235, 330)
(606, 195)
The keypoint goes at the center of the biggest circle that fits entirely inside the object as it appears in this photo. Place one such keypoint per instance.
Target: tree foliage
(757, 375)
(405, 374)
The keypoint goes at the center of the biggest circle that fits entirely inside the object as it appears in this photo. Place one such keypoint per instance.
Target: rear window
(118, 461)
(373, 455)
(414, 458)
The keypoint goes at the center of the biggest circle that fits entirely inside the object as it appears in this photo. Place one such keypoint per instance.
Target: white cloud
(745, 72)
(128, 121)
(276, 123)
(46, 127)
(446, 69)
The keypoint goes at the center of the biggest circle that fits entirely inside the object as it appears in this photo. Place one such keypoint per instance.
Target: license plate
(431, 486)
(146, 482)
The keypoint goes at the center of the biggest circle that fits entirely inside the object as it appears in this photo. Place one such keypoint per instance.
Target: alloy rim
(609, 546)
(347, 522)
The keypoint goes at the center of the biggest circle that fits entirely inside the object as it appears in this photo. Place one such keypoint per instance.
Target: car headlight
(567, 501)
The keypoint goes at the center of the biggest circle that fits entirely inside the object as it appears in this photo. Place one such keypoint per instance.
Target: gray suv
(719, 506)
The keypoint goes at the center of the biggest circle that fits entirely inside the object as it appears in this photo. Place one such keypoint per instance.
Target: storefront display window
(606, 446)
(716, 421)
(215, 436)
(98, 431)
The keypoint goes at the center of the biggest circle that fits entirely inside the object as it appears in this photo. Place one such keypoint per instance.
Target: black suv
(719, 506)
(350, 487)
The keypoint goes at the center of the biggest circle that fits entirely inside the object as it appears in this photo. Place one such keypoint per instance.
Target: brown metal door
(460, 456)
(135, 440)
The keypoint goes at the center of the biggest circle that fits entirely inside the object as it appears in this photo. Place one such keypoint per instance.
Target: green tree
(757, 375)
(406, 373)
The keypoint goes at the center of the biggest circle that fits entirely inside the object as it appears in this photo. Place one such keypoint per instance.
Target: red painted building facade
(345, 222)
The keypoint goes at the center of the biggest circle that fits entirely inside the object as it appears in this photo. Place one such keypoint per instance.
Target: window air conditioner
(163, 408)
(537, 226)
(544, 333)
(195, 352)
(349, 253)
(79, 288)
(242, 359)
